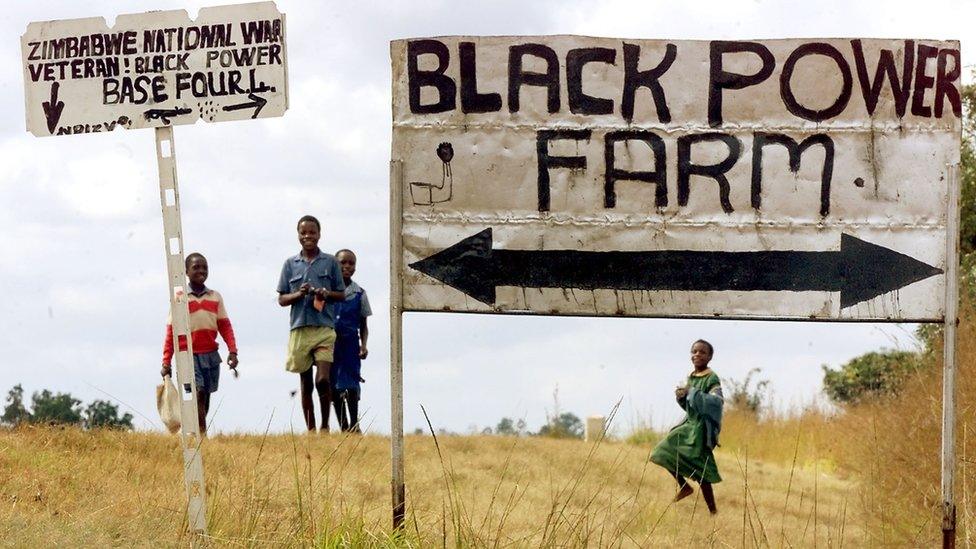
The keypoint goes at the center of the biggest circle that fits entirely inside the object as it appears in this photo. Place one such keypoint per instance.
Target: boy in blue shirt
(350, 348)
(311, 283)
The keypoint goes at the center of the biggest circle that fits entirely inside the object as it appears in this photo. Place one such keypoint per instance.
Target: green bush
(871, 375)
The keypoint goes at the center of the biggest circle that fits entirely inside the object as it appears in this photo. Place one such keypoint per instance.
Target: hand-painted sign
(750, 179)
(155, 69)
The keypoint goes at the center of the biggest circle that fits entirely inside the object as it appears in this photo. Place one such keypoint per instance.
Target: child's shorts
(309, 344)
(206, 371)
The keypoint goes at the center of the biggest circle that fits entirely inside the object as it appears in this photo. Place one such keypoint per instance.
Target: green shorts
(309, 344)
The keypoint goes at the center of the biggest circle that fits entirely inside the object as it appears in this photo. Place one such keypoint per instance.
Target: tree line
(49, 408)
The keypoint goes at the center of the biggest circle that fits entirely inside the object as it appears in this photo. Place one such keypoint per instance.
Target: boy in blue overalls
(350, 346)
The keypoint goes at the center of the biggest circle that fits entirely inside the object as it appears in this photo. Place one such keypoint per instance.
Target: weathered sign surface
(748, 179)
(155, 69)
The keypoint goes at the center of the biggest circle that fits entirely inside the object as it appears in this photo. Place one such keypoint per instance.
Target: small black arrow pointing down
(52, 109)
(256, 102)
(859, 271)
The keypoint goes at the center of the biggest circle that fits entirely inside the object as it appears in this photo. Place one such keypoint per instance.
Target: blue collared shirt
(322, 272)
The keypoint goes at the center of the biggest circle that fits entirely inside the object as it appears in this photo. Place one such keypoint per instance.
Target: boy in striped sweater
(207, 318)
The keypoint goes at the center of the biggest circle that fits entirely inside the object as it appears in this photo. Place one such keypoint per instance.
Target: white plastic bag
(168, 403)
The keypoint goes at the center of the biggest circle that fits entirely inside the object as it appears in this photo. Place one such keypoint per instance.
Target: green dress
(687, 449)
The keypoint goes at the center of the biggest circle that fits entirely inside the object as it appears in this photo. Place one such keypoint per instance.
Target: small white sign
(155, 69)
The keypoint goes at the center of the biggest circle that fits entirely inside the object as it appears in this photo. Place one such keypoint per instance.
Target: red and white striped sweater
(207, 318)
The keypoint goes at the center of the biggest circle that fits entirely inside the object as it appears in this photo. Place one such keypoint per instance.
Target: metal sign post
(949, 362)
(190, 439)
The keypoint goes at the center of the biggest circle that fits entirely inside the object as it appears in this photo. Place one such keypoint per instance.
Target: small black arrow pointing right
(256, 102)
(52, 109)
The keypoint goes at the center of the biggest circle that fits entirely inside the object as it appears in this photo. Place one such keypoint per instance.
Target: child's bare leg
(322, 387)
(203, 406)
(708, 496)
(308, 409)
(684, 489)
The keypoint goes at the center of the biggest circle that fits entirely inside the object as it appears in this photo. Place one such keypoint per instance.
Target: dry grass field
(75, 488)
(867, 477)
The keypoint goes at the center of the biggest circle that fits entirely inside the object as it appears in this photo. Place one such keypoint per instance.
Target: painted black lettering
(922, 80)
(795, 151)
(517, 77)
(658, 175)
(182, 83)
(576, 59)
(716, 171)
(471, 99)
(417, 79)
(130, 44)
(945, 83)
(234, 81)
(546, 162)
(719, 79)
(786, 90)
(900, 86)
(650, 79)
(35, 71)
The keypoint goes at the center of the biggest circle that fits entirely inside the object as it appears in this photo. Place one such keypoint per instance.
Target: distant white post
(594, 428)
(169, 197)
(949, 362)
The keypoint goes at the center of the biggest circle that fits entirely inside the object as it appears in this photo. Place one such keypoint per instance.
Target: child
(207, 318)
(350, 349)
(310, 284)
(686, 451)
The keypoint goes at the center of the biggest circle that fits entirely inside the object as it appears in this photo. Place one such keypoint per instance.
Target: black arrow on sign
(256, 102)
(52, 109)
(859, 271)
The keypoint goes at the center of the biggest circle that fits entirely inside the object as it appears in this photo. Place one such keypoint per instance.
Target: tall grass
(894, 446)
(65, 487)
(866, 477)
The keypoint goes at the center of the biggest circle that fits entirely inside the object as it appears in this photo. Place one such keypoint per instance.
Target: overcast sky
(81, 251)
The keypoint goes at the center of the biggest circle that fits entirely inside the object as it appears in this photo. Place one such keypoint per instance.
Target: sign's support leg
(396, 343)
(949, 361)
(190, 438)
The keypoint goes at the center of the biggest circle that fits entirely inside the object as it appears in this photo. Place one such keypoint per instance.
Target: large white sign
(155, 69)
(746, 179)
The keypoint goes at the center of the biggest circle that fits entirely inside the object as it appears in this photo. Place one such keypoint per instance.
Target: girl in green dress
(686, 452)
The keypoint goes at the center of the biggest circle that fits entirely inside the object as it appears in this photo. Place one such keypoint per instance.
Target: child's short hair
(347, 250)
(191, 257)
(711, 350)
(310, 218)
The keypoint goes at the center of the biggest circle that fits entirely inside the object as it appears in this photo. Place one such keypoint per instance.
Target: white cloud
(82, 235)
(106, 186)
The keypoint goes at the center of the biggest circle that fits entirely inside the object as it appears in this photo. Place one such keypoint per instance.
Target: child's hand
(166, 371)
(363, 351)
(681, 392)
(305, 288)
(232, 360)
